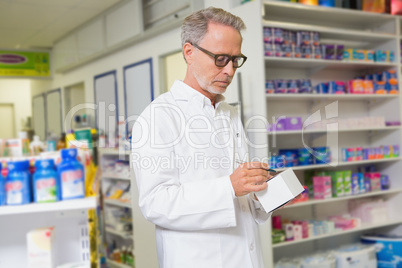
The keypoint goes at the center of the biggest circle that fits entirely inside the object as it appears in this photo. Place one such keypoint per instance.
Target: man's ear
(188, 52)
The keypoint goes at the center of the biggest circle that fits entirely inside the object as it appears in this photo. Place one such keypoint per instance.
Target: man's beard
(208, 87)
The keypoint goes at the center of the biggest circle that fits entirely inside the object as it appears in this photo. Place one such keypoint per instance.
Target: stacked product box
(369, 210)
(286, 230)
(280, 42)
(298, 44)
(379, 83)
(301, 157)
(353, 255)
(360, 153)
(364, 55)
(115, 167)
(282, 86)
(285, 123)
(385, 82)
(329, 184)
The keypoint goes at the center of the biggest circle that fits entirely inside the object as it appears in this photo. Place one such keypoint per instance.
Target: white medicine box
(40, 244)
(281, 189)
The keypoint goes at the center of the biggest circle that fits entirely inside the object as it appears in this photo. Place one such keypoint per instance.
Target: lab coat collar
(183, 92)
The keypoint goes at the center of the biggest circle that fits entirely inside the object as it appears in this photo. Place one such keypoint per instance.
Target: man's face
(219, 39)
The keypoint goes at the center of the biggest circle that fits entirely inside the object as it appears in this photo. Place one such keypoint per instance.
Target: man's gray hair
(195, 26)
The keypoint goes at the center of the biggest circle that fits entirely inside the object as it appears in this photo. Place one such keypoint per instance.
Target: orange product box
(309, 2)
(377, 6)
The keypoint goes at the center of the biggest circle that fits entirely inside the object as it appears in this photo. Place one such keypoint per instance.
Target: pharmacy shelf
(337, 199)
(302, 63)
(124, 235)
(332, 33)
(277, 9)
(342, 164)
(352, 97)
(114, 151)
(116, 264)
(115, 177)
(353, 29)
(337, 233)
(298, 132)
(118, 203)
(75, 204)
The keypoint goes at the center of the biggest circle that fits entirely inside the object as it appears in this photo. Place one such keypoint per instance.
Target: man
(186, 148)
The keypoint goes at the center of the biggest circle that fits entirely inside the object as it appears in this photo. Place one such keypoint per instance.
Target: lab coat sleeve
(163, 199)
(258, 211)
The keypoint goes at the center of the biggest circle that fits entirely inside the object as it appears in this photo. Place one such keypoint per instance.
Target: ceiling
(36, 24)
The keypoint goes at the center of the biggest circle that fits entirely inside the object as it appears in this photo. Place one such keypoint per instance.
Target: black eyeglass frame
(215, 56)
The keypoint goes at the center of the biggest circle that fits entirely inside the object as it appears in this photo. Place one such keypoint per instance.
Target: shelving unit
(143, 236)
(112, 236)
(71, 221)
(354, 29)
(67, 217)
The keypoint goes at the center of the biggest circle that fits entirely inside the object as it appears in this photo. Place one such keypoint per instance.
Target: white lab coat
(183, 152)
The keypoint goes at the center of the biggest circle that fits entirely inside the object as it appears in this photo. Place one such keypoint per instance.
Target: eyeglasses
(221, 60)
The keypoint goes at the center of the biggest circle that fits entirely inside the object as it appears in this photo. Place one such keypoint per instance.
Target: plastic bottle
(123, 254)
(6, 150)
(18, 183)
(130, 257)
(61, 144)
(36, 146)
(45, 182)
(117, 255)
(71, 175)
(2, 189)
(70, 138)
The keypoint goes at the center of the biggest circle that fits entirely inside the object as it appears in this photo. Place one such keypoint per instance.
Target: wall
(154, 48)
(17, 91)
(175, 67)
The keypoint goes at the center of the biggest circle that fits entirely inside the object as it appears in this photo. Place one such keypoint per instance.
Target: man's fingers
(257, 172)
(257, 187)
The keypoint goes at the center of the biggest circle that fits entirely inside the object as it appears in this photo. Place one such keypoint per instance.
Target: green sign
(24, 63)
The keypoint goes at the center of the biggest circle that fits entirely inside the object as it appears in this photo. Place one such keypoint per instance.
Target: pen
(269, 169)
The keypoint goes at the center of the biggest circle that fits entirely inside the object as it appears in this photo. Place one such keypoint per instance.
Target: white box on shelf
(41, 253)
(281, 189)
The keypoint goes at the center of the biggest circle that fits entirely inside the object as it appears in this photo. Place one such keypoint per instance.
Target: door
(53, 113)
(38, 113)
(7, 120)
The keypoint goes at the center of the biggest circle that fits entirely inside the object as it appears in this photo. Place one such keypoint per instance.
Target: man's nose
(228, 69)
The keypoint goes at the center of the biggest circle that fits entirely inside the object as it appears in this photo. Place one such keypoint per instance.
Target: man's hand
(250, 177)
